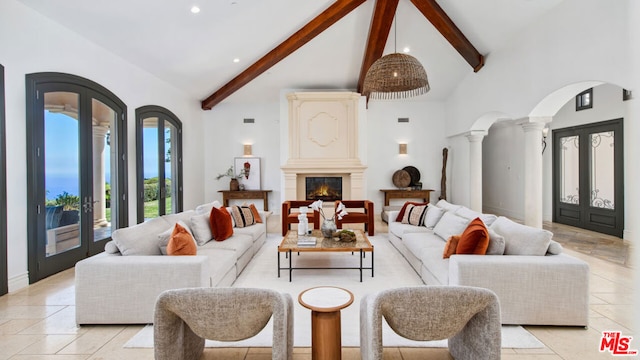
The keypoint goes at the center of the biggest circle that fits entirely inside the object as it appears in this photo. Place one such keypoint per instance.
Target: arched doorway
(585, 168)
(76, 149)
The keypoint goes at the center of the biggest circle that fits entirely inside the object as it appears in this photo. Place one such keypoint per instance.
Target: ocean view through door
(75, 175)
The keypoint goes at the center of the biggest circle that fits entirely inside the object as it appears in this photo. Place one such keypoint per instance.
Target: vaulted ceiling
(196, 52)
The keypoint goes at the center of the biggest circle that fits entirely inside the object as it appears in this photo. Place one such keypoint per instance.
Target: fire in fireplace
(325, 188)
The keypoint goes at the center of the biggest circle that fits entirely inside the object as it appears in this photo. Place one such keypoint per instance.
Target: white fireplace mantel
(323, 141)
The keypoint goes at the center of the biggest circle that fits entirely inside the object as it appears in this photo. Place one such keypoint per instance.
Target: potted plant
(234, 185)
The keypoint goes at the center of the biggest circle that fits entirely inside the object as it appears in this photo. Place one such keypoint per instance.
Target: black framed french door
(4, 279)
(76, 148)
(159, 159)
(588, 177)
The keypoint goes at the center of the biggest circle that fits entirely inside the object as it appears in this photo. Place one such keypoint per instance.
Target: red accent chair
(360, 211)
(290, 214)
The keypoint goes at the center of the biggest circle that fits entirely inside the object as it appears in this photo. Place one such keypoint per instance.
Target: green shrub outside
(151, 187)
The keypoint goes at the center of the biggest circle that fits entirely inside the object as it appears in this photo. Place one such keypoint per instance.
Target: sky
(62, 160)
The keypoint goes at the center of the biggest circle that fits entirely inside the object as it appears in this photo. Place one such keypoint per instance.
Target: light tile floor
(39, 322)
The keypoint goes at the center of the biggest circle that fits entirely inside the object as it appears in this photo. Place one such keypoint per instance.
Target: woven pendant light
(395, 76)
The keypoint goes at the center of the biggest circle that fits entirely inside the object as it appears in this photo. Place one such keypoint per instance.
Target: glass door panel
(169, 166)
(103, 118)
(151, 170)
(61, 173)
(570, 170)
(601, 168)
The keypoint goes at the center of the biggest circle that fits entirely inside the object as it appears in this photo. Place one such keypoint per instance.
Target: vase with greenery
(234, 185)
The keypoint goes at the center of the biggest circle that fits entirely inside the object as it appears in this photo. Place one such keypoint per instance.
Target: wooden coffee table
(289, 245)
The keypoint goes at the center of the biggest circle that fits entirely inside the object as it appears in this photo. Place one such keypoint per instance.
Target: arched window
(159, 159)
(76, 158)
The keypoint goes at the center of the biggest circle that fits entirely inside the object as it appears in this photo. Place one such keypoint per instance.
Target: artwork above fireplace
(325, 188)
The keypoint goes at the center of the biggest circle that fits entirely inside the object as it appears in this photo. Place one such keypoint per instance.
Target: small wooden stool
(325, 303)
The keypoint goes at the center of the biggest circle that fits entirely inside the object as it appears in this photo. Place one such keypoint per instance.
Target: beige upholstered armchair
(468, 317)
(184, 318)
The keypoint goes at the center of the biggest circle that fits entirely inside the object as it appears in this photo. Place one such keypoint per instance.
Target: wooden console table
(405, 194)
(245, 195)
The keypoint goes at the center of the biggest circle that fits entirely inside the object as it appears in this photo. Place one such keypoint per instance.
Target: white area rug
(391, 270)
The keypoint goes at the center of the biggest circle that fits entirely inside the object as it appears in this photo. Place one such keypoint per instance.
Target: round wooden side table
(325, 303)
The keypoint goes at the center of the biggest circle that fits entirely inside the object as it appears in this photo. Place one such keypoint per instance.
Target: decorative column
(475, 169)
(533, 173)
(99, 198)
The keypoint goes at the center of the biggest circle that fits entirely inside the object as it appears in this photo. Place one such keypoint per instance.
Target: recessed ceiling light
(236, 60)
(406, 49)
(195, 9)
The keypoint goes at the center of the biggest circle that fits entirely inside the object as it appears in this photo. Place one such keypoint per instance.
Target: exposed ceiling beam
(378, 34)
(330, 16)
(434, 13)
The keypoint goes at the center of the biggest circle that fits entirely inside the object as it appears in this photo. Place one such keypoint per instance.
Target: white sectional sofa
(120, 285)
(544, 287)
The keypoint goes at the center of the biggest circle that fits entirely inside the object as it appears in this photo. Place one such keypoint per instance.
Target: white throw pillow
(434, 214)
(467, 213)
(450, 224)
(521, 239)
(447, 206)
(111, 248)
(496, 243)
(141, 239)
(555, 248)
(201, 228)
(206, 208)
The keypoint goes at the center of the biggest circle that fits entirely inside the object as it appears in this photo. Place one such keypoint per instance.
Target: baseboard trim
(18, 282)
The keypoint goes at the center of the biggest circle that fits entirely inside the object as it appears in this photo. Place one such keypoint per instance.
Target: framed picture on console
(249, 168)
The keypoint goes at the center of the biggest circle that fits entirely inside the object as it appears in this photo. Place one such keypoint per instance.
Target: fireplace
(325, 188)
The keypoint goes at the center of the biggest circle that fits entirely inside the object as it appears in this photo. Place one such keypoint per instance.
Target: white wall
(502, 171)
(32, 43)
(225, 133)
(632, 130)
(424, 135)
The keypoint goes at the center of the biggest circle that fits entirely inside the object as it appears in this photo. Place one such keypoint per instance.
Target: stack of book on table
(306, 241)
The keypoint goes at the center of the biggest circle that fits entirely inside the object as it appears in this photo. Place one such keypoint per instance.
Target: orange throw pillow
(404, 208)
(256, 214)
(474, 239)
(450, 246)
(181, 242)
(221, 223)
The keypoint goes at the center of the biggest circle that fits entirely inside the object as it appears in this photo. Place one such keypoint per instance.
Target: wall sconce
(545, 132)
(402, 149)
(247, 150)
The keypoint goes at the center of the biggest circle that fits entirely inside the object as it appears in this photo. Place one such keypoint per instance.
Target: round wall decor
(401, 178)
(415, 174)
